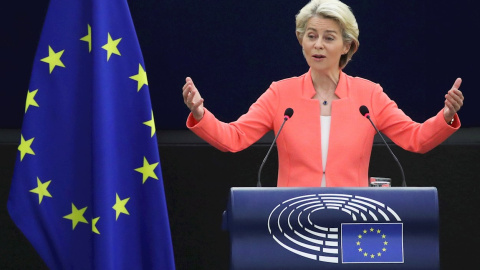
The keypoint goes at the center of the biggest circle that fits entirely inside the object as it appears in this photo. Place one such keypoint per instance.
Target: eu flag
(87, 189)
(372, 243)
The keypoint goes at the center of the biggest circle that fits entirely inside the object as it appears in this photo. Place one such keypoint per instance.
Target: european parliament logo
(338, 228)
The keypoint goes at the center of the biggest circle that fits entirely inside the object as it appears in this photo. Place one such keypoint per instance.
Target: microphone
(287, 115)
(364, 112)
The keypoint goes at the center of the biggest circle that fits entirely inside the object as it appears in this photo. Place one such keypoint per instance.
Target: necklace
(325, 102)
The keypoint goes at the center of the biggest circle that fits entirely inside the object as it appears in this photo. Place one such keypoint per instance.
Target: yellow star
(111, 46)
(141, 77)
(76, 216)
(41, 190)
(151, 123)
(360, 250)
(147, 170)
(120, 206)
(88, 38)
(94, 225)
(31, 99)
(25, 147)
(53, 59)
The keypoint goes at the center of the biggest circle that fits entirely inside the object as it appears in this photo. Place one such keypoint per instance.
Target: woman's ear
(299, 37)
(346, 48)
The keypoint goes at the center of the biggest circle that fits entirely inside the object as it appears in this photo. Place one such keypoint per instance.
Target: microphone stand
(404, 184)
(259, 184)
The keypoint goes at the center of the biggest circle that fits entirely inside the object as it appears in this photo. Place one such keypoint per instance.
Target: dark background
(233, 50)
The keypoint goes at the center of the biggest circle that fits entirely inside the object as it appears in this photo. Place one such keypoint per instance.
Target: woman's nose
(318, 44)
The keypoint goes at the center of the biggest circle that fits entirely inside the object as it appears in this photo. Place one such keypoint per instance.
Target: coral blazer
(299, 143)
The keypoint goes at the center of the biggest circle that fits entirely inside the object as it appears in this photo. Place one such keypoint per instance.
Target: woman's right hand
(193, 100)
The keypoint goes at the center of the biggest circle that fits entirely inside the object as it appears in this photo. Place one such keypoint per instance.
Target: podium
(333, 228)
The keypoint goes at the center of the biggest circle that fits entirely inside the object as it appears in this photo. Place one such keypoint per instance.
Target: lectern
(333, 228)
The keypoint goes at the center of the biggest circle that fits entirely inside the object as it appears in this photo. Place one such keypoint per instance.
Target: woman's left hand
(453, 101)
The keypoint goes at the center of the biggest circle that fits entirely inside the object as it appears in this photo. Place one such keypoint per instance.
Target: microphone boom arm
(259, 184)
(404, 184)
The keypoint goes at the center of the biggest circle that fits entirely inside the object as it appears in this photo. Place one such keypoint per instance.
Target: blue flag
(87, 189)
(372, 243)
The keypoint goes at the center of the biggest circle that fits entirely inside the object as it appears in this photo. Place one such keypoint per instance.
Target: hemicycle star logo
(338, 228)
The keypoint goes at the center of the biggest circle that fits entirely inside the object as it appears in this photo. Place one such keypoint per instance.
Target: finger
(188, 98)
(450, 110)
(456, 93)
(188, 82)
(457, 83)
(191, 97)
(197, 104)
(185, 86)
(453, 103)
(188, 89)
(455, 96)
(192, 93)
(185, 91)
(185, 94)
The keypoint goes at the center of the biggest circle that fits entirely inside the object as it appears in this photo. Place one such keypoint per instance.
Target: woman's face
(323, 44)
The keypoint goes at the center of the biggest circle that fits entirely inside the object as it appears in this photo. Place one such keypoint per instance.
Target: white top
(325, 135)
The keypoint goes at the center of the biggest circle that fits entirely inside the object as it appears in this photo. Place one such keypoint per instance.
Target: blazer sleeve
(406, 133)
(240, 134)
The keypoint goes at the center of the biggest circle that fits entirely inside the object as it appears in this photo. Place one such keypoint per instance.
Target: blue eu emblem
(372, 242)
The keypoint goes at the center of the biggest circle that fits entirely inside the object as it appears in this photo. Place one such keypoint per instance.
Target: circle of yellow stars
(25, 147)
(376, 253)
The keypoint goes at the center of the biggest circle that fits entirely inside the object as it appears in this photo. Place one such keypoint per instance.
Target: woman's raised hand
(192, 99)
(453, 101)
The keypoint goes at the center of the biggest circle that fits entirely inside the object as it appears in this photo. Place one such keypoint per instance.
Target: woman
(327, 142)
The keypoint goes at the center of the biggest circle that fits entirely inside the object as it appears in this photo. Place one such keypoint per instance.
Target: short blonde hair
(337, 11)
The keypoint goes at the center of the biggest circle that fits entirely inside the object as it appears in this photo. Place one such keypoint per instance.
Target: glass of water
(380, 182)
